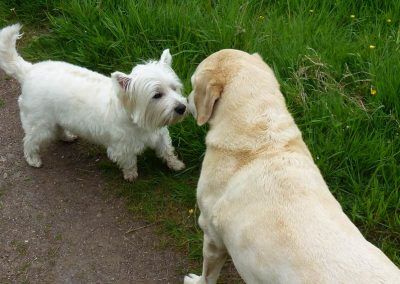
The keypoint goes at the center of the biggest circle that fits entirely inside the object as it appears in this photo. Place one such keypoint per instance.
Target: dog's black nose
(180, 109)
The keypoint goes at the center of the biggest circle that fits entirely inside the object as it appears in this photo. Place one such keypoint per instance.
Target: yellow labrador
(262, 198)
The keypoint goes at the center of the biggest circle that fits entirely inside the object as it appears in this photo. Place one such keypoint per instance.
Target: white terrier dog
(124, 113)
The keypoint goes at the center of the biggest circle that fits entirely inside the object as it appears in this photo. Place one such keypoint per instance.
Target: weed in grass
(326, 60)
(58, 237)
(20, 247)
(24, 269)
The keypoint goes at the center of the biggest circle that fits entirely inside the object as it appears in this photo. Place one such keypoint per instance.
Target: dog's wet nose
(180, 109)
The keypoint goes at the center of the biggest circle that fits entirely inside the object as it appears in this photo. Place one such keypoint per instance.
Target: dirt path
(57, 225)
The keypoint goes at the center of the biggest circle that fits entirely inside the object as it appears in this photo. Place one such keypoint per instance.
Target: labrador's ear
(205, 104)
(166, 57)
(258, 56)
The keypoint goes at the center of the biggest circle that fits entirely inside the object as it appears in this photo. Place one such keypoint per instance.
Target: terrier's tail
(10, 61)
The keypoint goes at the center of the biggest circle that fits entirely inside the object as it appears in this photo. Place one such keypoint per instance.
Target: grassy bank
(338, 65)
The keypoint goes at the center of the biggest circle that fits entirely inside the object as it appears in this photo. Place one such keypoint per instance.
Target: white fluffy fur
(60, 100)
(261, 196)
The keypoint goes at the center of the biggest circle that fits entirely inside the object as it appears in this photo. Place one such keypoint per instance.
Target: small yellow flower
(352, 16)
(372, 46)
(311, 11)
(261, 17)
(373, 91)
(389, 20)
(191, 211)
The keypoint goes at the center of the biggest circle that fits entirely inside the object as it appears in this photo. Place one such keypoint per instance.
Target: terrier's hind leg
(66, 135)
(34, 140)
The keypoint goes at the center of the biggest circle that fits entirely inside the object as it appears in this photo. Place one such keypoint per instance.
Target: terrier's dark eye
(157, 95)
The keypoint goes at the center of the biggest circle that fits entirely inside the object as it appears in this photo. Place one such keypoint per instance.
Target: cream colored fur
(262, 199)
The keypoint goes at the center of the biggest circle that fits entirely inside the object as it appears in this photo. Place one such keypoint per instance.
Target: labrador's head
(211, 78)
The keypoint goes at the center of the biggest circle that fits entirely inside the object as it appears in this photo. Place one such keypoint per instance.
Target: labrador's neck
(246, 121)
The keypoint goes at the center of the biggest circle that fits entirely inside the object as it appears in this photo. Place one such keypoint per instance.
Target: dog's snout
(180, 109)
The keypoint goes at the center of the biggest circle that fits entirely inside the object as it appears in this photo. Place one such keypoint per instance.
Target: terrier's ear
(166, 57)
(122, 81)
(205, 104)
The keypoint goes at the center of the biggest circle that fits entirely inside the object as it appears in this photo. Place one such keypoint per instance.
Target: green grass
(321, 56)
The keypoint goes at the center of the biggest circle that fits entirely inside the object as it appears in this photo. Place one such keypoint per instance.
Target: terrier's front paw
(193, 279)
(175, 164)
(130, 175)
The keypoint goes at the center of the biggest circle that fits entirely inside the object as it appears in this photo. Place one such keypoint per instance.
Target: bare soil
(59, 225)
